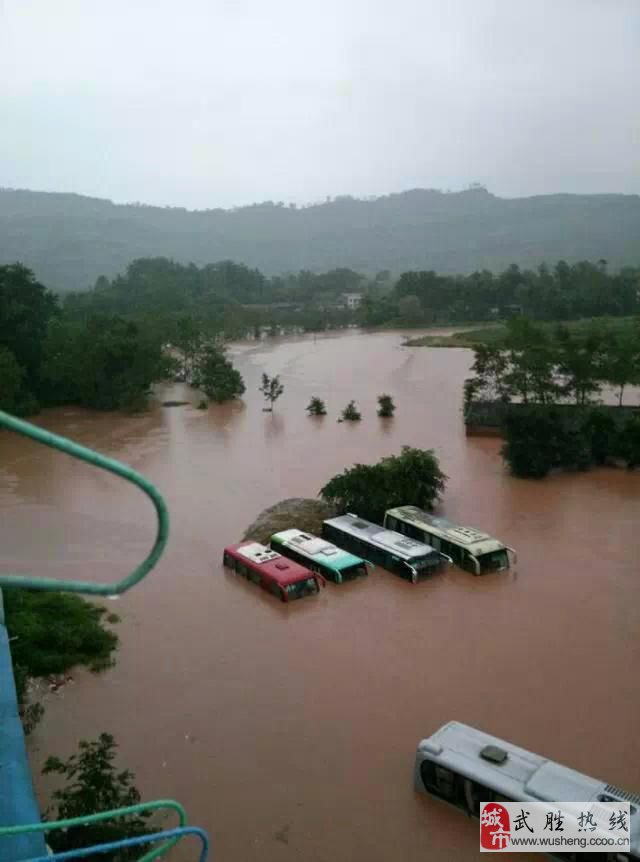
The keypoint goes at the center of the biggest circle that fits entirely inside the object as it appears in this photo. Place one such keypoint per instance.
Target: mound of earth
(303, 513)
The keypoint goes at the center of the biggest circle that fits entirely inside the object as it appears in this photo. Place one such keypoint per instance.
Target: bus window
(493, 562)
(302, 588)
(391, 523)
(254, 577)
(443, 782)
(274, 589)
(241, 569)
(352, 572)
(476, 793)
(228, 561)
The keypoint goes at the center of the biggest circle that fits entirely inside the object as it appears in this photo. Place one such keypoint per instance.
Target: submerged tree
(272, 389)
(351, 413)
(93, 785)
(369, 490)
(216, 376)
(386, 407)
(316, 407)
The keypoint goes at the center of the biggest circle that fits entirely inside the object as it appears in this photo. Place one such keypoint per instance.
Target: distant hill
(70, 240)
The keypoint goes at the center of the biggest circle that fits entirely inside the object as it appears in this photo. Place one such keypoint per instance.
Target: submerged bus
(464, 767)
(405, 557)
(469, 548)
(316, 554)
(279, 576)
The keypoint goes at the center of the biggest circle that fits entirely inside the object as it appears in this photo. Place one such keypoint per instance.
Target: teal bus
(318, 555)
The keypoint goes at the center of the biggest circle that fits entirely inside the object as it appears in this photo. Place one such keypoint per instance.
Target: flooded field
(289, 731)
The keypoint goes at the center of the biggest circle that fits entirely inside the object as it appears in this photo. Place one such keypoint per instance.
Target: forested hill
(70, 240)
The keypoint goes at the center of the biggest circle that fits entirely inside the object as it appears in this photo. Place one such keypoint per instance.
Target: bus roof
(312, 546)
(523, 775)
(475, 541)
(398, 544)
(277, 567)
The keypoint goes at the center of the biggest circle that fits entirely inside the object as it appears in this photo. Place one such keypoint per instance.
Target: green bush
(94, 785)
(539, 439)
(413, 477)
(351, 413)
(52, 632)
(316, 407)
(386, 407)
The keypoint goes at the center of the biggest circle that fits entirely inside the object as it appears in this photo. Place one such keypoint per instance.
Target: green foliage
(13, 397)
(351, 413)
(568, 291)
(74, 239)
(628, 446)
(53, 632)
(540, 438)
(107, 363)
(316, 407)
(26, 307)
(216, 376)
(386, 407)
(536, 365)
(272, 389)
(94, 784)
(413, 477)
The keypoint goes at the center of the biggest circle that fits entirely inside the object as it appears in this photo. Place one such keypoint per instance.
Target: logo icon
(495, 826)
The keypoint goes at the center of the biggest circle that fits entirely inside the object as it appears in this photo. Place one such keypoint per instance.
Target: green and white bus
(318, 555)
(469, 548)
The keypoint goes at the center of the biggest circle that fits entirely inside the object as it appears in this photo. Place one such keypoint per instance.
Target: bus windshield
(423, 564)
(350, 573)
(493, 562)
(302, 588)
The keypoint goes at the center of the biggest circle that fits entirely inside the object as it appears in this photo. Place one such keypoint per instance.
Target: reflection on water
(290, 729)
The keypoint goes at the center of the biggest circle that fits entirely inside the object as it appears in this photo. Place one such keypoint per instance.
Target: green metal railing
(46, 826)
(82, 453)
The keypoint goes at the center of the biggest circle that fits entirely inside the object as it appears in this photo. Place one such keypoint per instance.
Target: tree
(413, 477)
(622, 361)
(351, 413)
(316, 407)
(12, 396)
(94, 785)
(107, 363)
(26, 307)
(386, 407)
(490, 367)
(216, 376)
(581, 362)
(272, 389)
(629, 441)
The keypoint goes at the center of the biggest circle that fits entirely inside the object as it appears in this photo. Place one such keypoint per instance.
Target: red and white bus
(273, 572)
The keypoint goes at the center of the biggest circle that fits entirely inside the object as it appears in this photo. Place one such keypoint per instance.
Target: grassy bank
(495, 333)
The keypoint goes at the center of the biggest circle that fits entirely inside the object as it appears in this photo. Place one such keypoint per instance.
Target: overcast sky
(205, 103)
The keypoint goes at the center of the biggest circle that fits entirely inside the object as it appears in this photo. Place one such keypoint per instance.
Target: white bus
(464, 767)
(468, 548)
(407, 558)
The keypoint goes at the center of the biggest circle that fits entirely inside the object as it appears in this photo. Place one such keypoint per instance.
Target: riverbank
(495, 334)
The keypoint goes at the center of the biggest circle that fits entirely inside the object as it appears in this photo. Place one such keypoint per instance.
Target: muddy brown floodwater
(289, 731)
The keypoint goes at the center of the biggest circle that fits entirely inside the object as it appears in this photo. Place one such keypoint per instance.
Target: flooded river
(289, 731)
